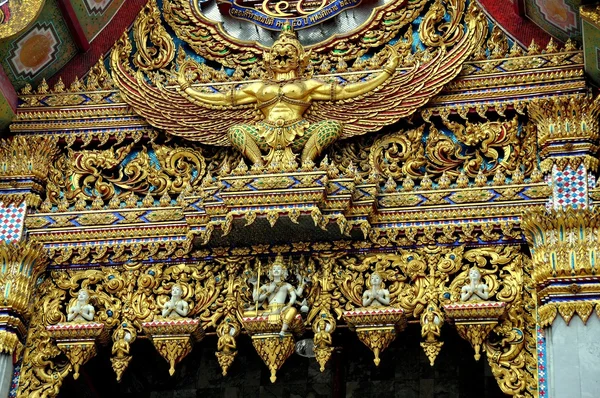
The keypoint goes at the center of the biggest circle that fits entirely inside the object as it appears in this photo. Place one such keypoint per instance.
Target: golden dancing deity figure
(278, 296)
(282, 98)
(122, 339)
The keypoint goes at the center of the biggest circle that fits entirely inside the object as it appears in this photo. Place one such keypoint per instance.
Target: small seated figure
(431, 327)
(376, 296)
(322, 338)
(475, 290)
(279, 295)
(176, 307)
(226, 342)
(122, 338)
(81, 310)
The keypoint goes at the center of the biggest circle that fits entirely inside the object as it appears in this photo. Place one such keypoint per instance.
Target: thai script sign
(273, 14)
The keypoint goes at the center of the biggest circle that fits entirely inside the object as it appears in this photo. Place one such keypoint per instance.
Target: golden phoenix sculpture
(288, 113)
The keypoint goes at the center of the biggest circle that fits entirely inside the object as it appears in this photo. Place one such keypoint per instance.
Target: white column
(573, 358)
(6, 374)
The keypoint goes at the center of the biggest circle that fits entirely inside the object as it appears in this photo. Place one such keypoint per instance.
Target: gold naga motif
(287, 111)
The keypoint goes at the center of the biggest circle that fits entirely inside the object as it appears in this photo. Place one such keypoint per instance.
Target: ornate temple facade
(322, 195)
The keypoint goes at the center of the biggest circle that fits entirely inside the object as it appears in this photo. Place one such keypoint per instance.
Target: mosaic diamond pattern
(558, 13)
(34, 51)
(96, 7)
(557, 17)
(94, 15)
(11, 222)
(570, 187)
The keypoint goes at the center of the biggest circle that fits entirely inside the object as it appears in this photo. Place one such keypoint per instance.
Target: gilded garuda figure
(282, 97)
(286, 112)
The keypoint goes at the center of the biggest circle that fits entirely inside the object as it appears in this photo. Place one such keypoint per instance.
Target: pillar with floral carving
(563, 238)
(24, 165)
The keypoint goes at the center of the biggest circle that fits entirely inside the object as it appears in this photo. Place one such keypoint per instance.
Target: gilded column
(24, 165)
(567, 136)
(564, 247)
(563, 239)
(20, 266)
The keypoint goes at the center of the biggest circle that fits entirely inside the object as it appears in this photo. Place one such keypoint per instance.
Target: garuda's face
(283, 58)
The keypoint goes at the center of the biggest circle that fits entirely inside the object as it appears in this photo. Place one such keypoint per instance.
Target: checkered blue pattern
(11, 222)
(570, 187)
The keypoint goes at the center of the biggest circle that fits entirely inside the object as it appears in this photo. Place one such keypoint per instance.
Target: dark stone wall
(404, 372)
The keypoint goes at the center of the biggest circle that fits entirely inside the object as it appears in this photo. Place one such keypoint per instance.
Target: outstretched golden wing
(168, 108)
(399, 96)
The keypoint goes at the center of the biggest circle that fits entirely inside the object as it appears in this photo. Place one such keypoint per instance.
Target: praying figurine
(323, 337)
(122, 339)
(430, 325)
(475, 290)
(121, 345)
(226, 342)
(176, 307)
(278, 295)
(81, 310)
(376, 296)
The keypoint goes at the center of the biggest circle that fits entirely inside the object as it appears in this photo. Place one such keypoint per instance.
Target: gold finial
(287, 29)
